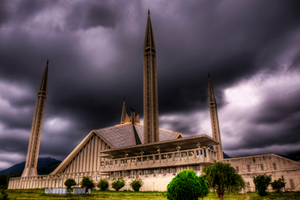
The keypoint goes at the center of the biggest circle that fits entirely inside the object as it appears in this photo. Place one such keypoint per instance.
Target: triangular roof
(77, 149)
(121, 135)
(163, 133)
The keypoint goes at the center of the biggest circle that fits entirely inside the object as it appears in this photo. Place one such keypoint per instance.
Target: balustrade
(175, 158)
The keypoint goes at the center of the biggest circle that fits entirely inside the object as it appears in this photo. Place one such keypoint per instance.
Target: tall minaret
(214, 120)
(36, 128)
(151, 126)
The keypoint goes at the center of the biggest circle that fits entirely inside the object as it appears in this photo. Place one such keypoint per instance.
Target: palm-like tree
(222, 177)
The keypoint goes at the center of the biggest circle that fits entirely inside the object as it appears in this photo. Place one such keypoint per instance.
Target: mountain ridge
(44, 165)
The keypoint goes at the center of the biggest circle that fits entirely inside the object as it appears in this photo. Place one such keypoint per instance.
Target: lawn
(39, 194)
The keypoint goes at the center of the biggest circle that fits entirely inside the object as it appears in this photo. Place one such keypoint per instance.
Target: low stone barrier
(56, 191)
(81, 191)
(64, 191)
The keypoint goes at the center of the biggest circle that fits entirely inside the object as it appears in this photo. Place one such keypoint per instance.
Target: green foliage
(47, 170)
(261, 183)
(86, 182)
(187, 185)
(222, 177)
(278, 185)
(69, 183)
(204, 189)
(103, 184)
(3, 195)
(136, 184)
(117, 184)
(4, 179)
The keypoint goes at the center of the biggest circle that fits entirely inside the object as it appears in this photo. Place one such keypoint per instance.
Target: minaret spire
(151, 133)
(36, 128)
(214, 120)
(124, 116)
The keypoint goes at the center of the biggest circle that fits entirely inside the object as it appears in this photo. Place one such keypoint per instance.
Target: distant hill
(45, 166)
(225, 155)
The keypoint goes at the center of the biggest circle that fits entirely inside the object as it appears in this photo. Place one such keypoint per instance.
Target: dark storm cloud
(18, 145)
(92, 69)
(227, 46)
(277, 109)
(85, 15)
(3, 12)
(20, 11)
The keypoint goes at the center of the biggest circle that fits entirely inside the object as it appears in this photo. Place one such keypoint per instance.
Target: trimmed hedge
(118, 184)
(103, 184)
(186, 185)
(136, 184)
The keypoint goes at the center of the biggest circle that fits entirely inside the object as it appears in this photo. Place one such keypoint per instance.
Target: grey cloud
(15, 11)
(85, 15)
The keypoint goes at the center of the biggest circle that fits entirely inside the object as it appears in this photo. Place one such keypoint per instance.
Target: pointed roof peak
(149, 38)
(211, 95)
(44, 82)
(123, 114)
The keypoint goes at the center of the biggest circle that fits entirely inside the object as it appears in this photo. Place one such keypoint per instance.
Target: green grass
(39, 194)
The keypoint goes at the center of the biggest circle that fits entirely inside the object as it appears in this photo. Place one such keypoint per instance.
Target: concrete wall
(270, 164)
(247, 168)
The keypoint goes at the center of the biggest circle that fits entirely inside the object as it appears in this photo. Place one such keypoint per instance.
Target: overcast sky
(251, 49)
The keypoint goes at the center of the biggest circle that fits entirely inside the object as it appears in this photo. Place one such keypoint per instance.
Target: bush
(4, 181)
(187, 185)
(204, 189)
(86, 182)
(103, 184)
(117, 184)
(261, 184)
(278, 185)
(3, 195)
(69, 183)
(136, 184)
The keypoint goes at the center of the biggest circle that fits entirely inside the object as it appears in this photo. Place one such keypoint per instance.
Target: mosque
(145, 151)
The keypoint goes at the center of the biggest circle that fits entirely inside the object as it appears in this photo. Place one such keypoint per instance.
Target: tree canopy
(69, 183)
(222, 177)
(86, 182)
(187, 185)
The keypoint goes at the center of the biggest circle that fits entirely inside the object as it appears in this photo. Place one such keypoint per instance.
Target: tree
(4, 181)
(187, 185)
(222, 177)
(136, 184)
(103, 184)
(278, 185)
(117, 184)
(86, 182)
(261, 183)
(69, 183)
(3, 195)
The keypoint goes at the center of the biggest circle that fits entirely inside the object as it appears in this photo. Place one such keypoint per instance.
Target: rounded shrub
(187, 186)
(261, 183)
(117, 184)
(278, 185)
(69, 183)
(136, 184)
(86, 182)
(103, 184)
